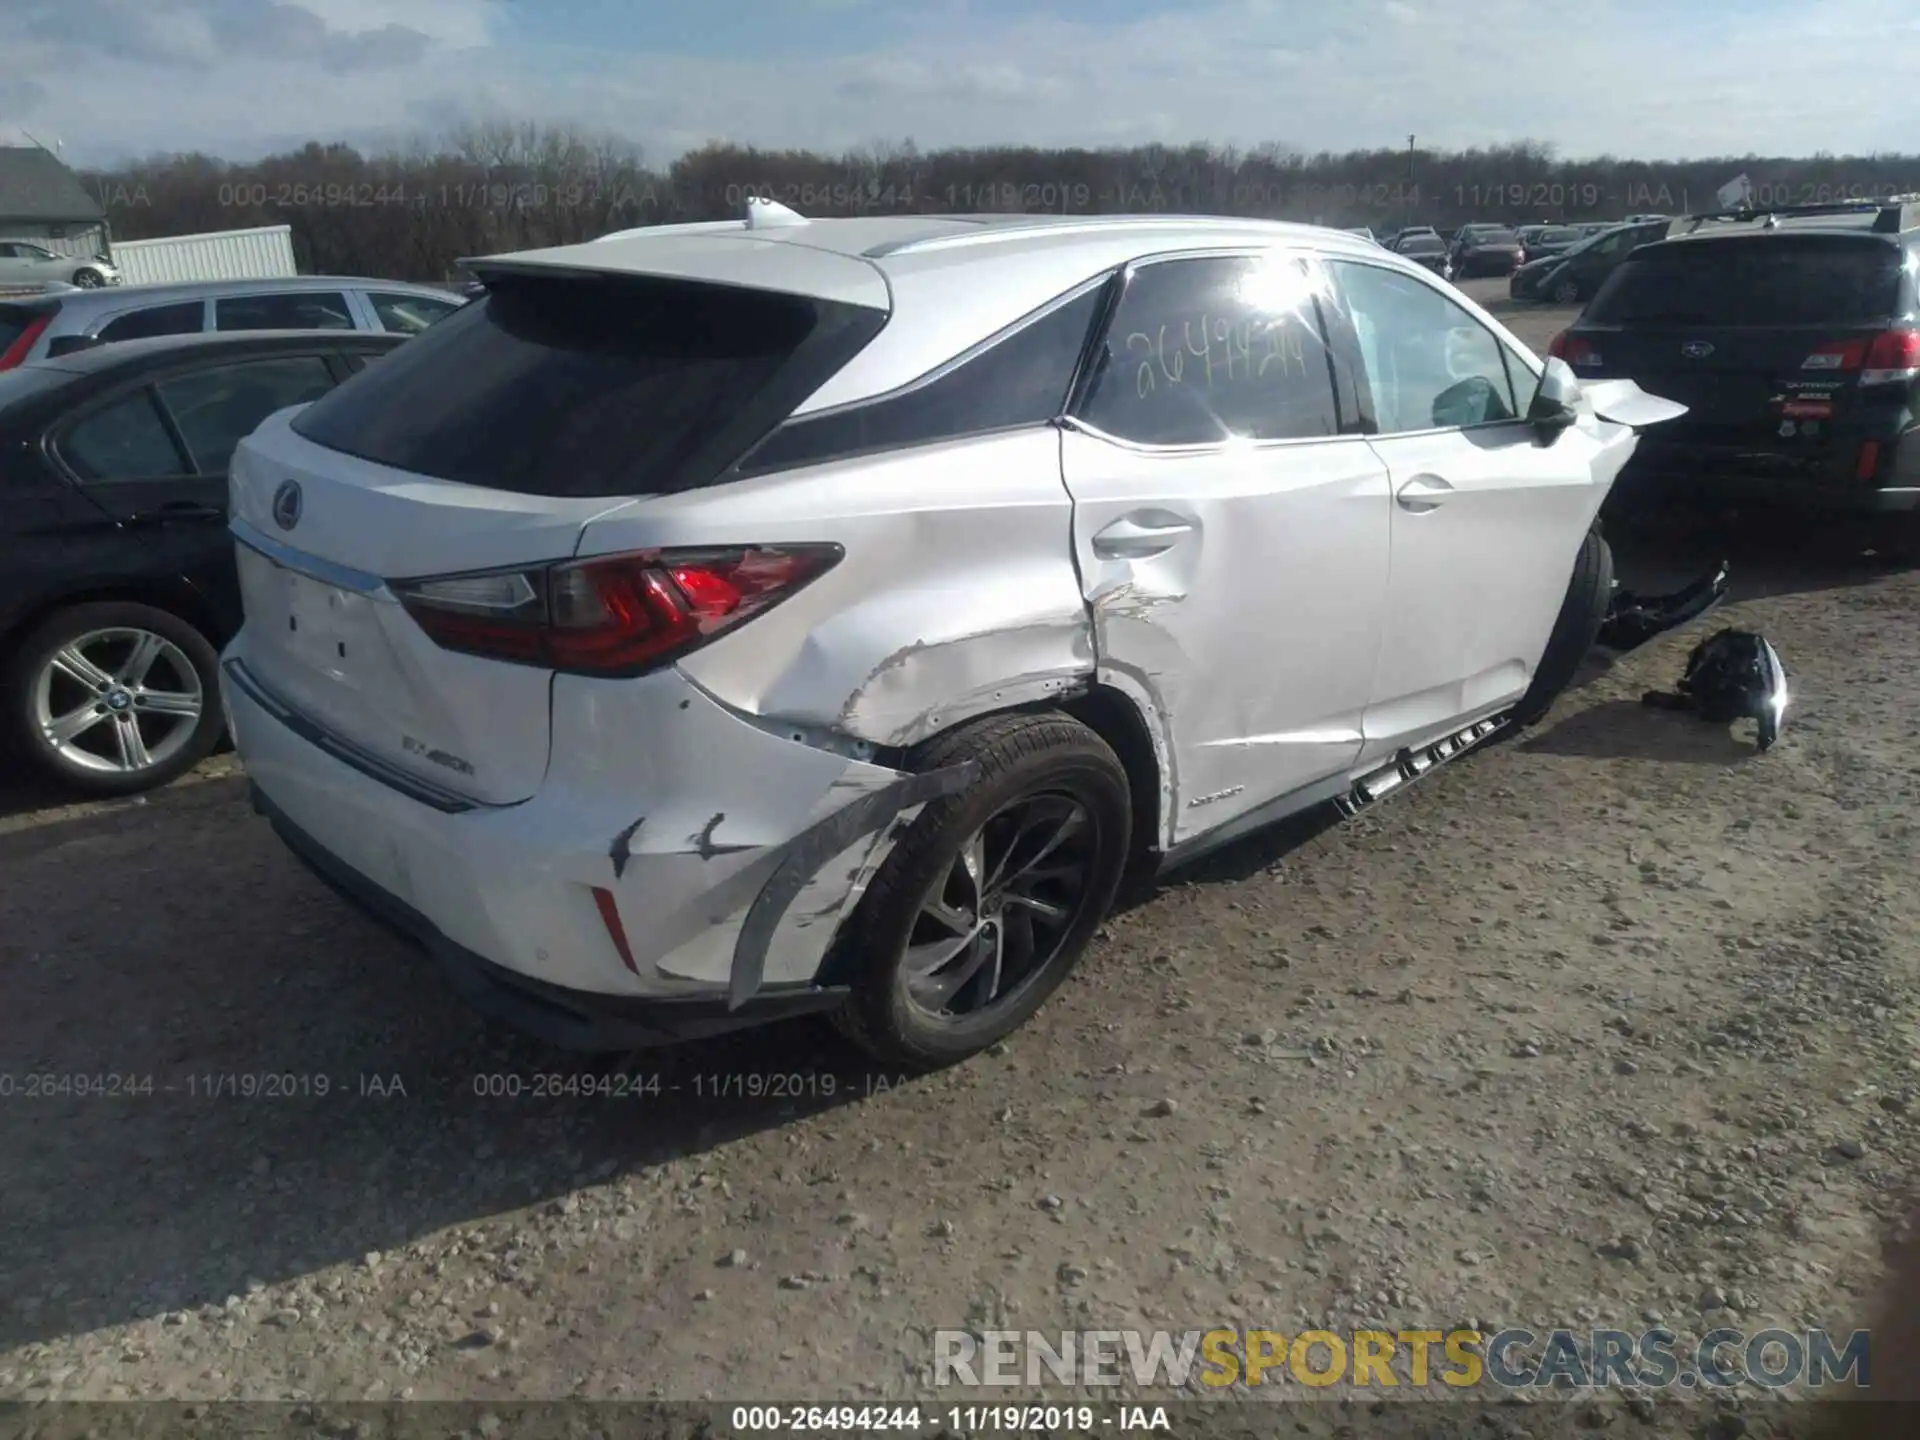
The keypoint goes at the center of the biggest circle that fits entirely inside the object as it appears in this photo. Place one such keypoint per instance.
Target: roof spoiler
(1895, 214)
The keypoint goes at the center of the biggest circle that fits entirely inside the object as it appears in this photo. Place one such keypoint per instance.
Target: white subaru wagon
(723, 622)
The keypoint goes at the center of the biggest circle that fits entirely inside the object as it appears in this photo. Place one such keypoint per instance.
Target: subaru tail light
(612, 615)
(1890, 357)
(1574, 351)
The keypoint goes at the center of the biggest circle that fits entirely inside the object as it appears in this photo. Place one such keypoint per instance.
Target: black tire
(1020, 757)
(35, 653)
(88, 278)
(1566, 292)
(1581, 615)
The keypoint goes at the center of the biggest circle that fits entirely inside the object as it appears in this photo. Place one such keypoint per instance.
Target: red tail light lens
(1889, 356)
(1574, 352)
(613, 615)
(1893, 356)
(16, 353)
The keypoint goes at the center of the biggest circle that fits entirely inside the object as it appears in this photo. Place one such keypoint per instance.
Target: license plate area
(332, 629)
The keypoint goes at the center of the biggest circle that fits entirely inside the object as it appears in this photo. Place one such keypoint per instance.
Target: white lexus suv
(722, 622)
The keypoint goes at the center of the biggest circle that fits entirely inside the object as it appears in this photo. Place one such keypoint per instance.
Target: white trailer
(264, 253)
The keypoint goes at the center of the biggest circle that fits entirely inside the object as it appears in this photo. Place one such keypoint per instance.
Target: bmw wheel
(986, 904)
(115, 698)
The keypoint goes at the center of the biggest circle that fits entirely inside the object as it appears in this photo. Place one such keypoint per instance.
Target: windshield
(1752, 282)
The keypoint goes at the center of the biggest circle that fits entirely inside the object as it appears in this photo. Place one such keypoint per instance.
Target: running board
(1411, 765)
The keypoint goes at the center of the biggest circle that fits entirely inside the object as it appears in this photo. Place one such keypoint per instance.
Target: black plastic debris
(1633, 619)
(1732, 675)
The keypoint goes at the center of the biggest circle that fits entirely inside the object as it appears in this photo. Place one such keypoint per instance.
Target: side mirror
(1555, 402)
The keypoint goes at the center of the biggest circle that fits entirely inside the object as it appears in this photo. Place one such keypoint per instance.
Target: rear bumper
(677, 855)
(570, 1019)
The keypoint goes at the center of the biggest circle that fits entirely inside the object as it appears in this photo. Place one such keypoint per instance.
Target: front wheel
(1566, 291)
(115, 698)
(988, 901)
(89, 279)
(1576, 627)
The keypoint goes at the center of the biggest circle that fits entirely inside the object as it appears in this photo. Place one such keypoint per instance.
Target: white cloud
(141, 75)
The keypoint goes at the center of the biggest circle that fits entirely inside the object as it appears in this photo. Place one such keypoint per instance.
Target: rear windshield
(1559, 236)
(591, 385)
(1422, 245)
(1495, 237)
(1761, 281)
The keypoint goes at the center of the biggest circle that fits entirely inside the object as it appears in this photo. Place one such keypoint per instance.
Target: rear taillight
(14, 354)
(1574, 351)
(614, 614)
(1894, 356)
(1891, 356)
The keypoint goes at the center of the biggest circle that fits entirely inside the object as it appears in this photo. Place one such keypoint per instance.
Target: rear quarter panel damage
(957, 595)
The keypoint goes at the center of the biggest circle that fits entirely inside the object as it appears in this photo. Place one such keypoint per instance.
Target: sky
(1657, 79)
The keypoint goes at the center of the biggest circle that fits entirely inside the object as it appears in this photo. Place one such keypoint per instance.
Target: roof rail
(1895, 215)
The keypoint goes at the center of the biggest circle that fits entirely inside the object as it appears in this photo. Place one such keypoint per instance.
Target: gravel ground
(1609, 1025)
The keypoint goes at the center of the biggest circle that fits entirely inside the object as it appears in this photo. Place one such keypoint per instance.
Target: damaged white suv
(728, 621)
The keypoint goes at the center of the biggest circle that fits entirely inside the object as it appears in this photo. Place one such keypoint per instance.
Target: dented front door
(1237, 583)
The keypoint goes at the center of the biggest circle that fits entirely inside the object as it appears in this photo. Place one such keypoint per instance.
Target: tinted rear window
(1754, 282)
(1422, 245)
(591, 386)
(1556, 237)
(1495, 237)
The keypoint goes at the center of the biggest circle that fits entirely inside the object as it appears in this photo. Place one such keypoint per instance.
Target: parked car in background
(1572, 276)
(25, 264)
(1792, 336)
(904, 515)
(1544, 241)
(1425, 249)
(39, 327)
(117, 579)
(1486, 250)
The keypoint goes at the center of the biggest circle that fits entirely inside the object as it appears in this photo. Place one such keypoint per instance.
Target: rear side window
(182, 319)
(216, 409)
(592, 386)
(290, 310)
(1020, 378)
(1763, 281)
(126, 440)
(409, 314)
(15, 321)
(1204, 351)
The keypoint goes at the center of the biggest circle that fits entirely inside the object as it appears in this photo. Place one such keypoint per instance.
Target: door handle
(1423, 493)
(179, 510)
(1130, 539)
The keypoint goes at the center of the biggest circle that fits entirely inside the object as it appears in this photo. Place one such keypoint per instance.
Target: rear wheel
(988, 901)
(1566, 291)
(1574, 630)
(114, 698)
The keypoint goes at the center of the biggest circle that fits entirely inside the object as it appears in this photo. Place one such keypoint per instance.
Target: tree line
(413, 213)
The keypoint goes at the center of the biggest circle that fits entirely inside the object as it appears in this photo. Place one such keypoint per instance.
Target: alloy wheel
(1001, 912)
(118, 700)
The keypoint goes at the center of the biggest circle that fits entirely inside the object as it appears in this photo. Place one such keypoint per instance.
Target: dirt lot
(1610, 1025)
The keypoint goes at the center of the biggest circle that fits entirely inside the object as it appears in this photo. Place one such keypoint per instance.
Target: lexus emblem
(1697, 349)
(286, 504)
